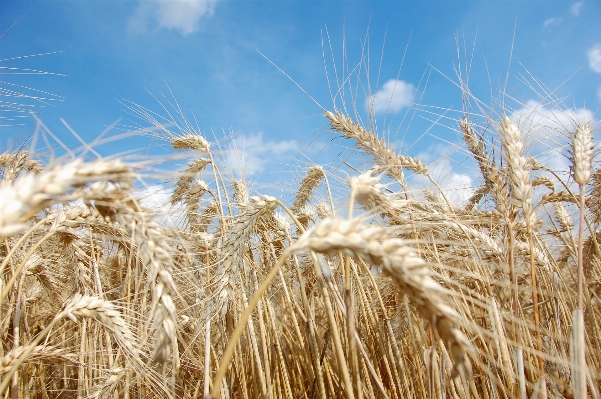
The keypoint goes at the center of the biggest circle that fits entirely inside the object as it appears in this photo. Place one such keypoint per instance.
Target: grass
(410, 296)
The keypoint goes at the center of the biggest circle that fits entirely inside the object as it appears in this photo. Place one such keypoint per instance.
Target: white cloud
(456, 180)
(458, 187)
(155, 197)
(250, 153)
(553, 21)
(576, 8)
(392, 96)
(158, 199)
(179, 15)
(594, 57)
(540, 121)
(547, 131)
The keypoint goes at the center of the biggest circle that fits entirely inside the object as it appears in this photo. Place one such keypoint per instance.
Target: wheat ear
(519, 167)
(156, 256)
(231, 246)
(15, 162)
(108, 386)
(241, 194)
(367, 191)
(8, 361)
(186, 179)
(593, 200)
(309, 182)
(192, 200)
(190, 141)
(383, 156)
(30, 193)
(477, 148)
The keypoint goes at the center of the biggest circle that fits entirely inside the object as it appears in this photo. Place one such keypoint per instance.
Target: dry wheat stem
(521, 194)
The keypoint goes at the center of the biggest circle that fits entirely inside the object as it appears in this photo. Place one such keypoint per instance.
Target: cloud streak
(250, 153)
(554, 21)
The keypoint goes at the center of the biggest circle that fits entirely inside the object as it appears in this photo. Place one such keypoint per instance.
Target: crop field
(369, 279)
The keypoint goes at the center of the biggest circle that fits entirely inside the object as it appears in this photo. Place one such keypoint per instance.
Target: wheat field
(377, 290)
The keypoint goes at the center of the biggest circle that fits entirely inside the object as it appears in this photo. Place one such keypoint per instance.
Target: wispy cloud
(539, 115)
(392, 96)
(453, 177)
(594, 57)
(249, 154)
(182, 15)
(547, 130)
(158, 199)
(553, 21)
(576, 8)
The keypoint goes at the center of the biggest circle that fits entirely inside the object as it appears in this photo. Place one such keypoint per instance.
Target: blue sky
(213, 55)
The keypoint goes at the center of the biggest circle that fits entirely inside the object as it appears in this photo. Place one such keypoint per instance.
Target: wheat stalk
(582, 153)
